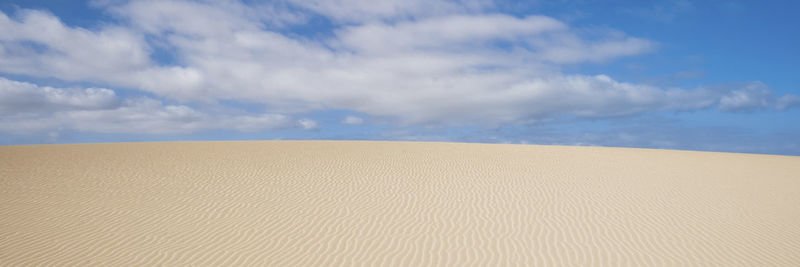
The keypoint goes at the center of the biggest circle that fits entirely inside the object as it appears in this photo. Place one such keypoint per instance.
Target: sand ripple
(396, 204)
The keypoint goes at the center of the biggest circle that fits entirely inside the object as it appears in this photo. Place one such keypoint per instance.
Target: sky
(694, 75)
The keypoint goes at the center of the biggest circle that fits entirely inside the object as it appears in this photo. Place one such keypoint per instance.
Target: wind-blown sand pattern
(319, 203)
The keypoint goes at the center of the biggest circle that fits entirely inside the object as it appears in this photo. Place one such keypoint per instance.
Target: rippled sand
(299, 203)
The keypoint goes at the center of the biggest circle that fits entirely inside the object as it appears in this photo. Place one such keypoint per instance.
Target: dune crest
(336, 203)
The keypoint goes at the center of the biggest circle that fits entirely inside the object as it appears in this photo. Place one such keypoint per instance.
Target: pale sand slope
(386, 203)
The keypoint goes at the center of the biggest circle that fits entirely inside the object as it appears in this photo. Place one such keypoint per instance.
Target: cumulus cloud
(418, 62)
(21, 97)
(749, 97)
(26, 108)
(37, 43)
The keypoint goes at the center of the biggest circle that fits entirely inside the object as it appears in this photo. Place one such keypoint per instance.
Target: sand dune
(293, 203)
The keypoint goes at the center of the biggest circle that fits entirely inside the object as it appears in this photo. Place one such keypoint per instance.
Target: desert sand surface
(339, 203)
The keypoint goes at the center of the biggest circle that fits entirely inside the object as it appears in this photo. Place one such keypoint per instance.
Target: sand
(320, 203)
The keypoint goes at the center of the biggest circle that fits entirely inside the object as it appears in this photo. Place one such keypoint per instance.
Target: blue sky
(696, 75)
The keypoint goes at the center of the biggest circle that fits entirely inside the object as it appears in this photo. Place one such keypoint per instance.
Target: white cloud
(307, 124)
(567, 48)
(190, 18)
(443, 63)
(26, 108)
(68, 53)
(788, 101)
(353, 120)
(364, 10)
(535, 39)
(21, 97)
(446, 32)
(749, 97)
